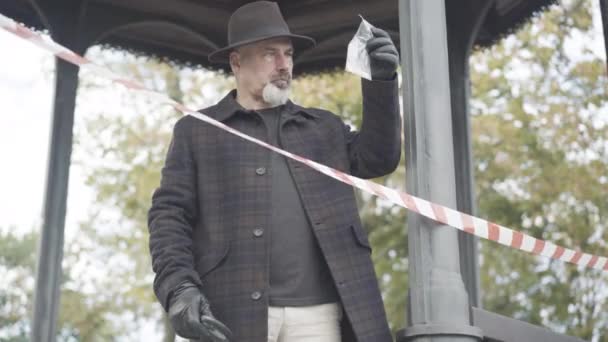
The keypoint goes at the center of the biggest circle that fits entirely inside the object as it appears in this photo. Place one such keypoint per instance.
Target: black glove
(191, 316)
(383, 55)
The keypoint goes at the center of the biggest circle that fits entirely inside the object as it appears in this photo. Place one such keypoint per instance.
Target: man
(250, 246)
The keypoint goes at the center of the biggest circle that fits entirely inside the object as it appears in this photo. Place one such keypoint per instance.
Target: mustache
(282, 77)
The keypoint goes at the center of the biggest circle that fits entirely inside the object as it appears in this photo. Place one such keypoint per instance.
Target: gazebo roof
(186, 31)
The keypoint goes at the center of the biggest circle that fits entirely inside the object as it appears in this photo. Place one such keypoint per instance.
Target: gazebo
(435, 38)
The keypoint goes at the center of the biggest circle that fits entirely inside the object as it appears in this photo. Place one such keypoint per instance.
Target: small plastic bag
(357, 58)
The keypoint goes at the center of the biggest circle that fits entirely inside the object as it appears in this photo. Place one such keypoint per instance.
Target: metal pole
(463, 29)
(438, 303)
(604, 11)
(463, 166)
(50, 252)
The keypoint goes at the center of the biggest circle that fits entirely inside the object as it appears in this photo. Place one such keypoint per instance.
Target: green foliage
(123, 164)
(17, 263)
(79, 317)
(17, 250)
(338, 92)
(539, 139)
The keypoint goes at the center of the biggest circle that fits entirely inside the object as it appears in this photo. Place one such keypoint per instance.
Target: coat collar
(227, 107)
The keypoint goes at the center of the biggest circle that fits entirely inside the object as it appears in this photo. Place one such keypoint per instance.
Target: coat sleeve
(171, 217)
(375, 150)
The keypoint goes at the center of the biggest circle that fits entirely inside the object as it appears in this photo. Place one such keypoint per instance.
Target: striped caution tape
(464, 222)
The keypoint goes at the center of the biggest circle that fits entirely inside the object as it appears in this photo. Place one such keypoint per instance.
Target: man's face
(265, 64)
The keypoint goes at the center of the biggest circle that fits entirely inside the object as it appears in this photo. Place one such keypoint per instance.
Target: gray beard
(274, 95)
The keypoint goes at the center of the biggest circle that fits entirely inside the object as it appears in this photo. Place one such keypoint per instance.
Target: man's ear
(235, 63)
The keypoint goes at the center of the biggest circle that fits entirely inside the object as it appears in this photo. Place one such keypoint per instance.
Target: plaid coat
(214, 197)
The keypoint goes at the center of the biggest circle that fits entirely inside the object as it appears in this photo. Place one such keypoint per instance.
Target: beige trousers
(317, 323)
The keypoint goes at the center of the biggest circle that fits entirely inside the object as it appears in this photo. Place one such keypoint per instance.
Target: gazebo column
(50, 251)
(438, 308)
(604, 10)
(463, 27)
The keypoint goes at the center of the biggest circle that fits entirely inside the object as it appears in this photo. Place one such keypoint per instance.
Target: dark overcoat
(215, 193)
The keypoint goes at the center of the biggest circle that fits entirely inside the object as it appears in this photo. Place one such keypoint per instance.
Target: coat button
(256, 295)
(258, 232)
(260, 171)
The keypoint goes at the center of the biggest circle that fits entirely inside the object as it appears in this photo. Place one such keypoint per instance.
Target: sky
(26, 102)
(26, 91)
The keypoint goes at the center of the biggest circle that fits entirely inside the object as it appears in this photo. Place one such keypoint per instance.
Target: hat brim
(221, 55)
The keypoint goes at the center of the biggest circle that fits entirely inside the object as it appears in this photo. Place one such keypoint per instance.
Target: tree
(124, 162)
(17, 263)
(539, 134)
(79, 318)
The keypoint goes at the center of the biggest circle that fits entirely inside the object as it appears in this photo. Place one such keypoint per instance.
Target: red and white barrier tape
(467, 223)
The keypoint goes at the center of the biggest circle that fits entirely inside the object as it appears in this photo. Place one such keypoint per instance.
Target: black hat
(253, 22)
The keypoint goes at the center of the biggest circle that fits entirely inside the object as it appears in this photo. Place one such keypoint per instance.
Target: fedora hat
(254, 22)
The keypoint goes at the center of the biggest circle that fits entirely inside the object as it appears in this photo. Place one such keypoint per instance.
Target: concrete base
(436, 330)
